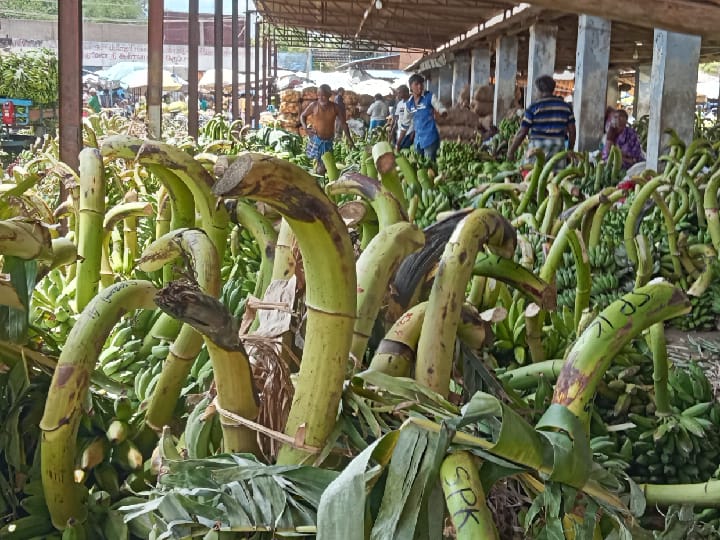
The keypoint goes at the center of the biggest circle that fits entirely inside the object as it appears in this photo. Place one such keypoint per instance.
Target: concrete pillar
(479, 68)
(613, 91)
(673, 88)
(541, 57)
(644, 91)
(461, 75)
(506, 53)
(591, 76)
(445, 80)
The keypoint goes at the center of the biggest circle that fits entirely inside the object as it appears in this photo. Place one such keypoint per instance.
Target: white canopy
(139, 79)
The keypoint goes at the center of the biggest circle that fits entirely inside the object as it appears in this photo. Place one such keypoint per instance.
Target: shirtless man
(322, 130)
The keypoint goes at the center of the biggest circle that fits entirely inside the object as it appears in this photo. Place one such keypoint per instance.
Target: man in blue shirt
(549, 121)
(421, 109)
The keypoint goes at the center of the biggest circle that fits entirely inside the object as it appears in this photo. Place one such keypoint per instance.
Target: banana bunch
(203, 433)
(52, 305)
(509, 333)
(219, 129)
(561, 333)
(31, 74)
(148, 374)
(36, 524)
(120, 359)
(703, 315)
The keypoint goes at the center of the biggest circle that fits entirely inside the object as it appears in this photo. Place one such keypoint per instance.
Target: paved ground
(703, 347)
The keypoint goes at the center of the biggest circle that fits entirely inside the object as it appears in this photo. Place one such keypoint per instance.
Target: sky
(206, 6)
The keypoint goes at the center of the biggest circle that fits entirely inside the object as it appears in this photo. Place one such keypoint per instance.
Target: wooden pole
(218, 56)
(69, 65)
(156, 14)
(234, 102)
(193, 43)
(256, 97)
(248, 43)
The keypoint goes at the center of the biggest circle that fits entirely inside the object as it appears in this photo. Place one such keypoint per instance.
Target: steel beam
(218, 50)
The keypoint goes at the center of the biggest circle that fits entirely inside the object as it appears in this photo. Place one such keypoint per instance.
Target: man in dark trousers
(549, 122)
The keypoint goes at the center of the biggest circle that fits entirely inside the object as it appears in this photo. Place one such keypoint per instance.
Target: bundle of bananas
(29, 75)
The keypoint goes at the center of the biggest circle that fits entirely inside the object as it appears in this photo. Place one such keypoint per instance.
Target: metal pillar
(541, 57)
(591, 77)
(673, 88)
(69, 65)
(636, 94)
(506, 53)
(445, 86)
(256, 71)
(218, 50)
(193, 42)
(461, 75)
(479, 68)
(156, 14)
(248, 108)
(234, 92)
(265, 56)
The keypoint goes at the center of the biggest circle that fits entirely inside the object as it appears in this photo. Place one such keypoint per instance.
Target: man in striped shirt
(549, 122)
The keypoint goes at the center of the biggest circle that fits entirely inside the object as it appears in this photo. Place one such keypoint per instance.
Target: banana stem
(658, 348)
(596, 227)
(595, 349)
(375, 268)
(264, 234)
(70, 382)
(465, 498)
(711, 209)
(532, 185)
(701, 495)
(645, 262)
(330, 289)
(331, 170)
(397, 351)
(284, 265)
(528, 376)
(584, 277)
(511, 273)
(437, 340)
(634, 213)
(386, 206)
(91, 213)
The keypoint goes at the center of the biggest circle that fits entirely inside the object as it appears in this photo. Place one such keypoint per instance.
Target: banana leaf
(14, 321)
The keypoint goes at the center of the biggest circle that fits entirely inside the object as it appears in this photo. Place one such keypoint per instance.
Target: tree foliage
(92, 9)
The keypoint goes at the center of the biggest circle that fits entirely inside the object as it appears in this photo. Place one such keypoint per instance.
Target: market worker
(625, 138)
(378, 112)
(421, 108)
(401, 120)
(322, 130)
(94, 102)
(549, 121)
(340, 102)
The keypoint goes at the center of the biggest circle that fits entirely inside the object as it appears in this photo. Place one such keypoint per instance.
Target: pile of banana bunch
(679, 448)
(426, 199)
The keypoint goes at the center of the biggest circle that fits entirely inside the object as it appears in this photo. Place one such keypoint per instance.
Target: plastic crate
(22, 110)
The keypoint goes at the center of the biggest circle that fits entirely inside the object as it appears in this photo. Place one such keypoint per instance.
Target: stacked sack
(351, 104)
(290, 109)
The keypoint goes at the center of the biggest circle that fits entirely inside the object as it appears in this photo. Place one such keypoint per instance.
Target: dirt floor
(703, 347)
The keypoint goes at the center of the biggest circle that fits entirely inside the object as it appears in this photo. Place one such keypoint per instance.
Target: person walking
(421, 108)
(549, 122)
(321, 132)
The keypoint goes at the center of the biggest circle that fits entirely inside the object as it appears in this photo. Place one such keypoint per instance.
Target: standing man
(421, 108)
(340, 102)
(401, 120)
(94, 102)
(378, 112)
(322, 130)
(549, 121)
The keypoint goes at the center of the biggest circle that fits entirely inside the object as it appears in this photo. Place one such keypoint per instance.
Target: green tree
(92, 9)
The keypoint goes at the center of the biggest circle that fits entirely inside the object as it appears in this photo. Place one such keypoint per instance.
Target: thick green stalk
(284, 265)
(492, 189)
(203, 262)
(130, 246)
(233, 377)
(526, 377)
(582, 271)
(711, 209)
(645, 262)
(387, 207)
(214, 217)
(553, 209)
(547, 171)
(330, 289)
(594, 350)
(115, 215)
(596, 228)
(331, 170)
(531, 192)
(25, 240)
(437, 340)
(702, 495)
(375, 268)
(465, 498)
(384, 159)
(66, 499)
(705, 279)
(162, 227)
(658, 348)
(264, 234)
(407, 171)
(634, 213)
(515, 275)
(92, 211)
(397, 351)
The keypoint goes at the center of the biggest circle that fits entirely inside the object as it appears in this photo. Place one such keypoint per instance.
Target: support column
(69, 66)
(193, 43)
(461, 75)
(235, 63)
(541, 57)
(643, 107)
(248, 60)
(506, 53)
(156, 13)
(591, 75)
(432, 80)
(613, 90)
(479, 68)
(445, 81)
(673, 88)
(218, 50)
